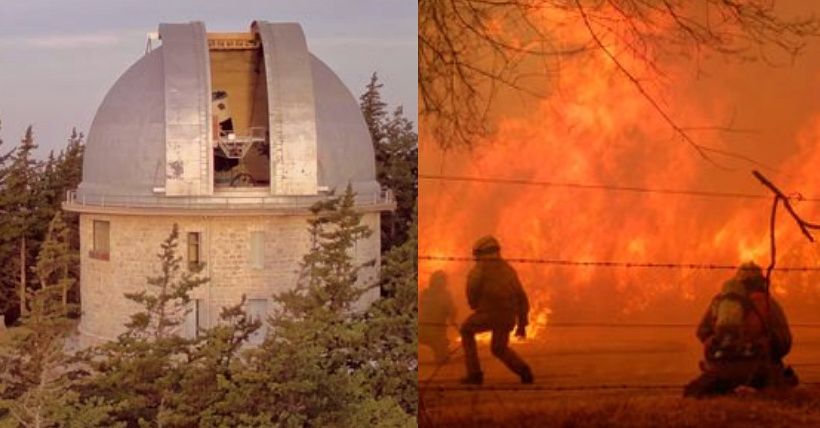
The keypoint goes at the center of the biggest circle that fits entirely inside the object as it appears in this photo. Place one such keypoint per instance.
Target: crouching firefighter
(745, 337)
(499, 303)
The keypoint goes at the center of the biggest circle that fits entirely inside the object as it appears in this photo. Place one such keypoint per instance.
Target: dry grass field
(604, 376)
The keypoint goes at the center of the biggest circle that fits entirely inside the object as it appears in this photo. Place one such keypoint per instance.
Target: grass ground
(798, 408)
(612, 378)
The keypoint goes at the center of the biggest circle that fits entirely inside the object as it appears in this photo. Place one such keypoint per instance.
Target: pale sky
(59, 58)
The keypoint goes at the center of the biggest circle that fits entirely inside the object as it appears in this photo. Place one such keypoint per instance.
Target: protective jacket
(493, 288)
(436, 307)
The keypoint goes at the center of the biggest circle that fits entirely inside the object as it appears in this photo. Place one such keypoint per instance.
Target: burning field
(624, 200)
(611, 214)
(594, 176)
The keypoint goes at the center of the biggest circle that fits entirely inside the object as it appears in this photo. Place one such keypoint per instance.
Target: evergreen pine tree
(310, 371)
(7, 245)
(18, 202)
(4, 158)
(56, 258)
(209, 394)
(395, 144)
(31, 192)
(392, 327)
(67, 174)
(70, 164)
(34, 379)
(140, 372)
(399, 172)
(329, 273)
(45, 184)
(374, 111)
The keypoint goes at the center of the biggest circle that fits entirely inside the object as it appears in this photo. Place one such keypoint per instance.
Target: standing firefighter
(436, 313)
(745, 337)
(495, 294)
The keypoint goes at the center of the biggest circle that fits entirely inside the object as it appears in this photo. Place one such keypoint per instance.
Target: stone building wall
(225, 248)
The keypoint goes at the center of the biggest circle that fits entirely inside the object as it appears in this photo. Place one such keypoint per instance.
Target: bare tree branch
(471, 49)
(804, 225)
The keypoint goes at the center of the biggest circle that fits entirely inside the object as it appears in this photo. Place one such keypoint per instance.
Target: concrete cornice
(225, 205)
(233, 211)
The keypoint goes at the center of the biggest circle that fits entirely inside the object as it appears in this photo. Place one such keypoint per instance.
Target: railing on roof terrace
(228, 201)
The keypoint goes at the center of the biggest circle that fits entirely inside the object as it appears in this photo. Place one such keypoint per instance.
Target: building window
(258, 311)
(258, 249)
(194, 319)
(194, 249)
(101, 245)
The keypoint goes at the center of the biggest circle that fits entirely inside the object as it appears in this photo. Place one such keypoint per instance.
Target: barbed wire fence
(617, 264)
(794, 196)
(779, 198)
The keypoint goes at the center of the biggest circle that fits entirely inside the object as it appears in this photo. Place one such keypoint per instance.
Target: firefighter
(436, 313)
(499, 303)
(745, 336)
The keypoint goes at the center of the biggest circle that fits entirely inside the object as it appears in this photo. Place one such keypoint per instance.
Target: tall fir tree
(67, 176)
(399, 172)
(35, 377)
(70, 164)
(31, 192)
(56, 259)
(172, 381)
(209, 393)
(374, 111)
(150, 356)
(395, 144)
(329, 270)
(7, 245)
(4, 158)
(19, 201)
(311, 369)
(67, 172)
(392, 326)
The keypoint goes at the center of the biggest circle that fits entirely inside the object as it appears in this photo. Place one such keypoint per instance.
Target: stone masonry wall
(225, 248)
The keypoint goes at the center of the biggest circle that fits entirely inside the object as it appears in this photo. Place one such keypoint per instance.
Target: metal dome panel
(291, 108)
(187, 109)
(151, 137)
(345, 149)
(125, 150)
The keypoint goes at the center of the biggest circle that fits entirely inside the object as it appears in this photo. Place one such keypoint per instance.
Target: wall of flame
(596, 128)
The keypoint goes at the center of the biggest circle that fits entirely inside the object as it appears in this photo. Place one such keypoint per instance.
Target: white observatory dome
(230, 138)
(151, 138)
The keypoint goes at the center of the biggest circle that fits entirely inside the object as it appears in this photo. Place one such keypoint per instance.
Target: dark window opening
(194, 250)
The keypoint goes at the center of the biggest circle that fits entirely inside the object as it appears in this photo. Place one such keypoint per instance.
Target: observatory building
(232, 136)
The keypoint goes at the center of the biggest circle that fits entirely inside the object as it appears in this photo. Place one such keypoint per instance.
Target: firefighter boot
(526, 376)
(473, 379)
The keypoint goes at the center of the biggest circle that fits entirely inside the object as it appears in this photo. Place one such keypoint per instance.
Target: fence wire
(617, 264)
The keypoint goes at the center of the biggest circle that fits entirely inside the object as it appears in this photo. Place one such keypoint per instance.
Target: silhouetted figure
(499, 302)
(436, 313)
(745, 337)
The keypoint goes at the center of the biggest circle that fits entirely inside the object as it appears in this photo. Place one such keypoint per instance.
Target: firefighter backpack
(740, 324)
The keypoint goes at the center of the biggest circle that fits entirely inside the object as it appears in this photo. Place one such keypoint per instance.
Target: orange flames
(595, 128)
